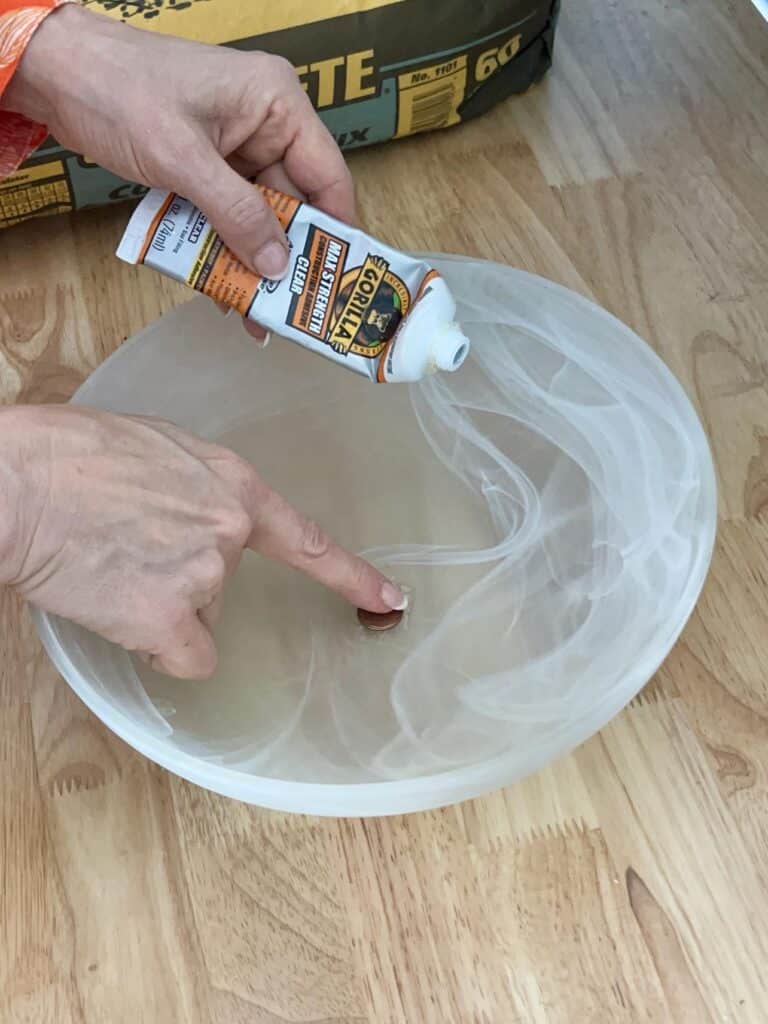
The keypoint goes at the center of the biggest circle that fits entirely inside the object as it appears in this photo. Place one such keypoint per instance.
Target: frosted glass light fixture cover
(551, 509)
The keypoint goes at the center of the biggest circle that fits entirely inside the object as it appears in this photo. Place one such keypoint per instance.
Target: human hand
(130, 527)
(194, 119)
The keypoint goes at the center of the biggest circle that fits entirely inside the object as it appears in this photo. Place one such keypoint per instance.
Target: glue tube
(345, 295)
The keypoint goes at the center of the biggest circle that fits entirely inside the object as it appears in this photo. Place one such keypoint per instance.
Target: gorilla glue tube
(346, 296)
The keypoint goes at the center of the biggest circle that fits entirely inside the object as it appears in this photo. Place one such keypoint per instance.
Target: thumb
(241, 215)
(189, 653)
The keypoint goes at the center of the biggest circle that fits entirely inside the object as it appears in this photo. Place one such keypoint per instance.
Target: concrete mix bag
(374, 69)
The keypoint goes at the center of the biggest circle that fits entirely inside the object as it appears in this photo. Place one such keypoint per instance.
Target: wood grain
(624, 883)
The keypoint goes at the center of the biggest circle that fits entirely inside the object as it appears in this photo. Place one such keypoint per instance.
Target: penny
(379, 621)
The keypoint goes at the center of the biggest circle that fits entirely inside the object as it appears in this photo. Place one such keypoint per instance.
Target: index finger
(283, 534)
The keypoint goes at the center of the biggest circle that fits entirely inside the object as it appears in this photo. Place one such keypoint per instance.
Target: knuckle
(243, 478)
(287, 107)
(210, 570)
(237, 526)
(315, 543)
(250, 213)
(282, 66)
(241, 471)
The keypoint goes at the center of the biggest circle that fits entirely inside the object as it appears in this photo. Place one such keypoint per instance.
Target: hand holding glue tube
(130, 526)
(174, 114)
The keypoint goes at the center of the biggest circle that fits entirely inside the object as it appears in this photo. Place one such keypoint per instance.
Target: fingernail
(271, 261)
(265, 340)
(393, 597)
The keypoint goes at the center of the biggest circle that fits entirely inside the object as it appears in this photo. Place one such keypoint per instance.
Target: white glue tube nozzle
(429, 339)
(450, 348)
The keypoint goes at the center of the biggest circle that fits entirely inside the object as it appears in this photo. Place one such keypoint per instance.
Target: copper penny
(378, 621)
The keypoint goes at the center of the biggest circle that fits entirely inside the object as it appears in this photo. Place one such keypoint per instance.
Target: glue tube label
(345, 296)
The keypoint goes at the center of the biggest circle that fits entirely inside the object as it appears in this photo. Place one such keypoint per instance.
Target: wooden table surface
(625, 882)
